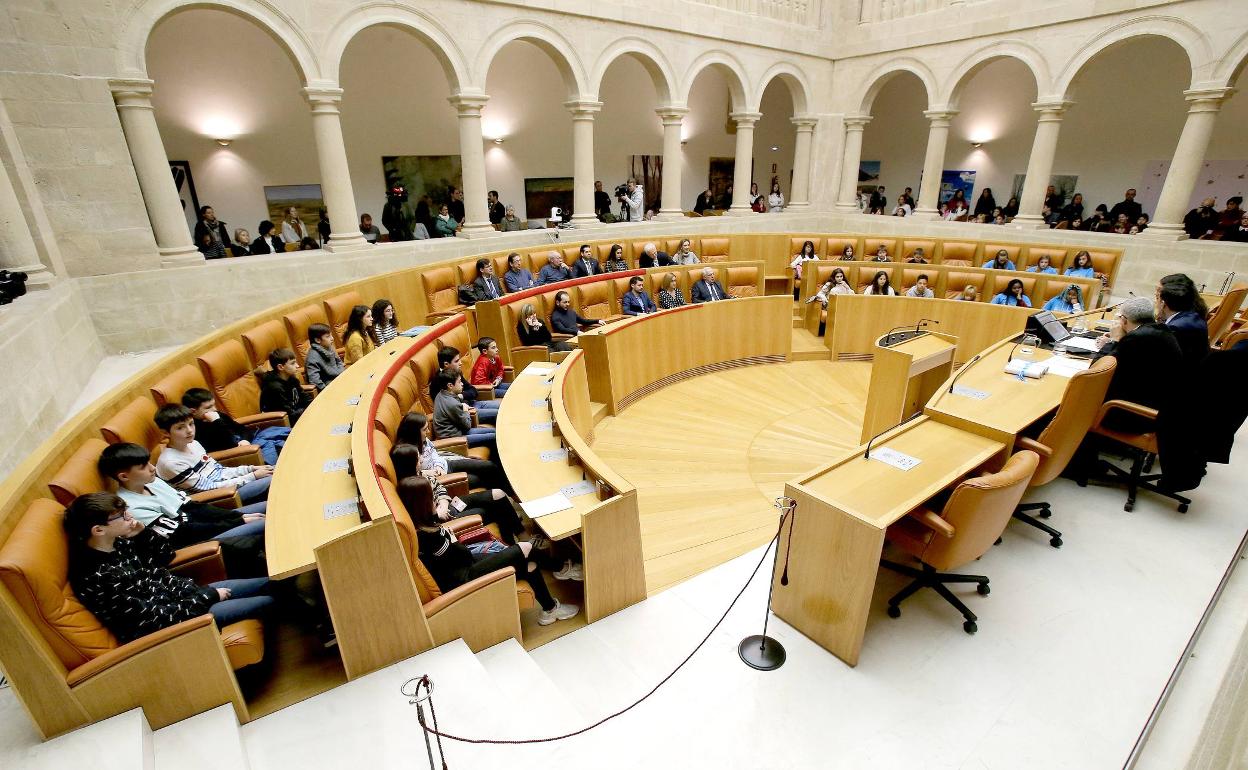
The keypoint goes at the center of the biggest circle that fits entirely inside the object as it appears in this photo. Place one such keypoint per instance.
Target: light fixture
(224, 142)
(498, 140)
(775, 148)
(977, 145)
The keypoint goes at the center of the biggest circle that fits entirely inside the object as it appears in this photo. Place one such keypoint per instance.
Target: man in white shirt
(633, 205)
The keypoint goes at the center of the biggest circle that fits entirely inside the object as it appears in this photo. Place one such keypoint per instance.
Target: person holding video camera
(632, 201)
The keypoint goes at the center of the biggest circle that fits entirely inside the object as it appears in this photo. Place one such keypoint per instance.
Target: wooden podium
(904, 376)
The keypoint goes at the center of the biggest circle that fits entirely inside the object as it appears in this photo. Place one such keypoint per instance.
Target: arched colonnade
(465, 71)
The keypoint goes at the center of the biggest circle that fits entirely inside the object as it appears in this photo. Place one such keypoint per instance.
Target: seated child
(451, 362)
(452, 417)
(117, 567)
(280, 390)
(487, 372)
(182, 521)
(185, 464)
(414, 429)
(217, 431)
(491, 505)
(323, 364)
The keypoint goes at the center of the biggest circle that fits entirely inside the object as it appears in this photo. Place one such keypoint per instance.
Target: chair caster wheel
(1045, 513)
(894, 612)
(970, 627)
(983, 589)
(1128, 507)
(1081, 482)
(998, 541)
(1183, 508)
(1056, 542)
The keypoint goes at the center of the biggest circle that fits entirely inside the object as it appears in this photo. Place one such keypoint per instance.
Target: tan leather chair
(441, 293)
(1234, 338)
(1103, 261)
(1220, 317)
(999, 282)
(231, 379)
(742, 282)
(872, 245)
(1012, 249)
(959, 253)
(424, 364)
(1057, 443)
(834, 246)
(910, 276)
(262, 340)
(97, 670)
(1143, 449)
(972, 519)
(169, 390)
(297, 324)
(909, 245)
(866, 274)
(1056, 255)
(79, 474)
(957, 281)
(796, 244)
(537, 260)
(716, 249)
(619, 287)
(134, 424)
(338, 311)
(594, 301)
(405, 389)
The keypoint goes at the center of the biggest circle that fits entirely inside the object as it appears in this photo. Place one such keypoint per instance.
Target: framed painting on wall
(431, 175)
(306, 198)
(541, 194)
(718, 179)
(648, 171)
(952, 181)
(868, 175)
(185, 183)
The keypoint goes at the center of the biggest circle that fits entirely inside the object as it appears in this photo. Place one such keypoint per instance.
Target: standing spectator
(322, 226)
(1010, 210)
(725, 202)
(703, 203)
(269, 242)
(397, 216)
(446, 224)
(903, 209)
(1126, 206)
(878, 201)
(1073, 210)
(293, 229)
(602, 202)
(986, 204)
(210, 235)
(757, 203)
(1053, 199)
(908, 196)
(368, 229)
(456, 205)
(955, 208)
(497, 212)
(1202, 220)
(511, 222)
(632, 204)
(775, 201)
(422, 220)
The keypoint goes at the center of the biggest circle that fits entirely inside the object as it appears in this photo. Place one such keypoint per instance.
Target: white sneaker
(571, 571)
(560, 612)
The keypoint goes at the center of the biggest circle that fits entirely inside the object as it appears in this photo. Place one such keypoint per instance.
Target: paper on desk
(1067, 367)
(538, 371)
(1021, 368)
(1080, 343)
(894, 458)
(962, 390)
(544, 506)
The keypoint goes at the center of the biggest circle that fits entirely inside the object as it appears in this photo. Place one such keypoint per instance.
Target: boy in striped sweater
(185, 465)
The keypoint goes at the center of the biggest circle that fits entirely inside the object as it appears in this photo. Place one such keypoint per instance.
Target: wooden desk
(903, 377)
(842, 512)
(296, 522)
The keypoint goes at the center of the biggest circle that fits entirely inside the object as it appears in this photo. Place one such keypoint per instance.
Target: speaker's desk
(297, 520)
(838, 530)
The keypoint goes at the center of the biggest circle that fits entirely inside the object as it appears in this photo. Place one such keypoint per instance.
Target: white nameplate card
(537, 371)
(578, 489)
(335, 465)
(538, 403)
(962, 390)
(902, 462)
(544, 506)
(353, 401)
(340, 430)
(554, 455)
(340, 509)
(540, 427)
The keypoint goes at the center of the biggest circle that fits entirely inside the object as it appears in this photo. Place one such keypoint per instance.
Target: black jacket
(221, 433)
(281, 395)
(661, 257)
(1149, 364)
(481, 288)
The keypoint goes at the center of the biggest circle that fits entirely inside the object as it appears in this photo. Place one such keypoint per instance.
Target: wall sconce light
(224, 142)
(775, 148)
(498, 140)
(683, 142)
(977, 145)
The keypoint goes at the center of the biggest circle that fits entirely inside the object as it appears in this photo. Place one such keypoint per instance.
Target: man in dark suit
(707, 289)
(1180, 307)
(486, 286)
(1149, 363)
(586, 265)
(636, 301)
(1239, 233)
(652, 257)
(1126, 206)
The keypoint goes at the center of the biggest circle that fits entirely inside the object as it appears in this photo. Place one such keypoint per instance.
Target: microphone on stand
(965, 366)
(867, 454)
(924, 322)
(888, 338)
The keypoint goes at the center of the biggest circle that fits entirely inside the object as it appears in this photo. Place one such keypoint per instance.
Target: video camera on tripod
(12, 285)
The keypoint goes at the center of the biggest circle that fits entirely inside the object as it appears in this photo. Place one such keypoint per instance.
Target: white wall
(897, 135)
(775, 130)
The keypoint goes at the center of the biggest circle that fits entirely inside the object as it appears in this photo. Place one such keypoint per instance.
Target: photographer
(632, 201)
(397, 215)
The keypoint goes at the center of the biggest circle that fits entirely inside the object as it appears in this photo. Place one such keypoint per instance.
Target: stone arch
(1193, 42)
(729, 67)
(545, 37)
(418, 23)
(891, 70)
(791, 76)
(648, 55)
(1009, 49)
(1228, 68)
(138, 24)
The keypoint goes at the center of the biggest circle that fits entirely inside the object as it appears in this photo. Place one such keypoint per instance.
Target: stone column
(743, 162)
(848, 202)
(583, 112)
(472, 161)
(151, 166)
(1189, 156)
(331, 156)
(17, 246)
(934, 162)
(799, 196)
(1040, 164)
(672, 116)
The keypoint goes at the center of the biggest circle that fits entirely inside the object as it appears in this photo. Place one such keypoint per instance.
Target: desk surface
(301, 488)
(878, 493)
(1012, 404)
(922, 346)
(520, 448)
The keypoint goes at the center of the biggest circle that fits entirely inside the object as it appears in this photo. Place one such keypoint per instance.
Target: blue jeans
(246, 528)
(487, 411)
(483, 436)
(271, 440)
(249, 599)
(501, 389)
(255, 491)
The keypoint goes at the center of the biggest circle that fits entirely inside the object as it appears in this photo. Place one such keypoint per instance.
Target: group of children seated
(123, 542)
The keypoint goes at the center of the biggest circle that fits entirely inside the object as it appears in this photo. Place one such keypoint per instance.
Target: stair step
(122, 742)
(367, 722)
(518, 676)
(207, 741)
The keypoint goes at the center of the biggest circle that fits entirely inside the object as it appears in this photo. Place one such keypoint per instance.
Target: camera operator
(397, 215)
(12, 285)
(632, 201)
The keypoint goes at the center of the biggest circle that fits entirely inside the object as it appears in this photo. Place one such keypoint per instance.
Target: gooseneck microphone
(924, 322)
(867, 454)
(965, 366)
(888, 338)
